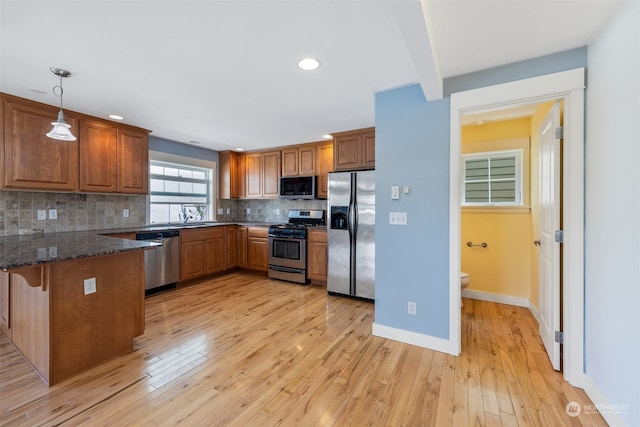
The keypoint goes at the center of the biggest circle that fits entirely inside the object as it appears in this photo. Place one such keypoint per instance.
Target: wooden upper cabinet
(98, 148)
(307, 156)
(263, 174)
(369, 146)
(113, 159)
(106, 157)
(30, 159)
(271, 176)
(299, 161)
(354, 150)
(290, 162)
(325, 165)
(254, 171)
(232, 175)
(133, 161)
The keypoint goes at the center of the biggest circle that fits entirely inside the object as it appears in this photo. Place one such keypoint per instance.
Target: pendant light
(61, 129)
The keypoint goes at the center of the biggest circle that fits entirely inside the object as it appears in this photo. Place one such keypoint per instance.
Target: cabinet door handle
(537, 242)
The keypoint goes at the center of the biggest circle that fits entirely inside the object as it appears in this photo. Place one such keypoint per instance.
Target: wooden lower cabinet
(231, 247)
(191, 260)
(257, 249)
(317, 256)
(214, 256)
(5, 298)
(206, 250)
(242, 242)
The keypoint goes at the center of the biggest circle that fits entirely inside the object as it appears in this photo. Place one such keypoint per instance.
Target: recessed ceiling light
(194, 142)
(115, 117)
(327, 136)
(36, 90)
(239, 149)
(308, 64)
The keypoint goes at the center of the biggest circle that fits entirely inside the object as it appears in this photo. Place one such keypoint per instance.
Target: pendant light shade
(61, 129)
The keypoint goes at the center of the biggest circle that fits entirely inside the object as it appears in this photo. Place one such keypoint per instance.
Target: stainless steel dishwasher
(162, 263)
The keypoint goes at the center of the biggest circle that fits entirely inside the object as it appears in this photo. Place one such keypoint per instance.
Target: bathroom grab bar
(483, 244)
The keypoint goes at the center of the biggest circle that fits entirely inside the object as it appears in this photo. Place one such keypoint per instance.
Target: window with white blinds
(492, 178)
(179, 193)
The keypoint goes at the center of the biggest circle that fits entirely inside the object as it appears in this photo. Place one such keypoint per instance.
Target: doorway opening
(567, 86)
(510, 209)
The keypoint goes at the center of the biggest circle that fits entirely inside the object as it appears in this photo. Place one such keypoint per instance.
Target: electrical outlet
(247, 210)
(125, 213)
(220, 211)
(53, 214)
(398, 218)
(228, 211)
(405, 189)
(89, 286)
(42, 214)
(411, 308)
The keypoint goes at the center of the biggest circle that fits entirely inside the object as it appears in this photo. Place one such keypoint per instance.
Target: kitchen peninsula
(72, 300)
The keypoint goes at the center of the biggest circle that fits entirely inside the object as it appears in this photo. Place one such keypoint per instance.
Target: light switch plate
(395, 192)
(42, 214)
(89, 286)
(220, 211)
(125, 213)
(53, 214)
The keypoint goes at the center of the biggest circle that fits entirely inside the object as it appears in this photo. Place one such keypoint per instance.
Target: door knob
(537, 242)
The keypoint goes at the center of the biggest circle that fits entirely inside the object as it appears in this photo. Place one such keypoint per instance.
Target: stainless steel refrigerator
(351, 234)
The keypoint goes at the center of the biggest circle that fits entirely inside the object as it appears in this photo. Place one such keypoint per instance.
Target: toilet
(464, 282)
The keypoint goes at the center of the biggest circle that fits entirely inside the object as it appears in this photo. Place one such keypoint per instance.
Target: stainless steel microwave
(298, 187)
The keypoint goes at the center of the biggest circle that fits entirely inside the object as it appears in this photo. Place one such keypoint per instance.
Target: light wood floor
(245, 350)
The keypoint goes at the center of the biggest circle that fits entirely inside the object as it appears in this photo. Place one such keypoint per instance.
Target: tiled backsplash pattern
(80, 212)
(76, 212)
(266, 210)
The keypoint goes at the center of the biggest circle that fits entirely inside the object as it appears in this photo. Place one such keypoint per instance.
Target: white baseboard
(414, 338)
(503, 299)
(607, 409)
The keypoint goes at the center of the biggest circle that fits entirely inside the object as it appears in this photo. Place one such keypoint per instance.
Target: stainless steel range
(288, 245)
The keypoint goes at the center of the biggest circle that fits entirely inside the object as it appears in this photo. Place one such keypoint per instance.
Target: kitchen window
(492, 178)
(179, 192)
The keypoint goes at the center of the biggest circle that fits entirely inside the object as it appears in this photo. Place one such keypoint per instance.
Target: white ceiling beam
(414, 21)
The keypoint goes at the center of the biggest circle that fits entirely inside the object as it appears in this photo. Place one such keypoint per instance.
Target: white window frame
(157, 156)
(487, 155)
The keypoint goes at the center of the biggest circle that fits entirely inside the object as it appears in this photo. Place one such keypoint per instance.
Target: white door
(549, 222)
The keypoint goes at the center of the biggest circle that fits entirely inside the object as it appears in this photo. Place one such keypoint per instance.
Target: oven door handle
(271, 236)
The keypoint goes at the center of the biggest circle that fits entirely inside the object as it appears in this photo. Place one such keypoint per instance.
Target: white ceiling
(224, 72)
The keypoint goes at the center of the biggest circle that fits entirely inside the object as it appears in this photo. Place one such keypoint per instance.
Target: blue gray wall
(412, 148)
(612, 197)
(179, 149)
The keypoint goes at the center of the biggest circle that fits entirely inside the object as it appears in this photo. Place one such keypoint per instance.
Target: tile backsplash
(75, 212)
(263, 210)
(81, 212)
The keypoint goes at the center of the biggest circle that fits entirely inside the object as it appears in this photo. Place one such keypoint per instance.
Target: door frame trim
(568, 86)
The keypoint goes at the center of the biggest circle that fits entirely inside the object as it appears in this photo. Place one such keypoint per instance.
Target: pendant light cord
(61, 91)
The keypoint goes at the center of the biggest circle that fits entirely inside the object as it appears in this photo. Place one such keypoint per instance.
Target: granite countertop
(188, 226)
(42, 248)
